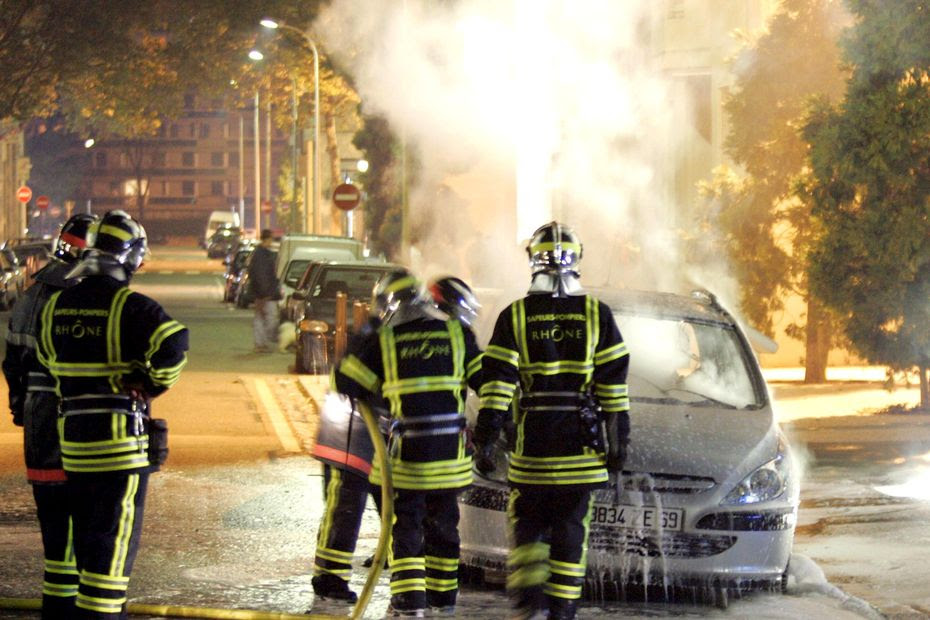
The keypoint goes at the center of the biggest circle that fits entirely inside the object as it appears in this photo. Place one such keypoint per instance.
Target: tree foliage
(382, 184)
(766, 224)
(871, 185)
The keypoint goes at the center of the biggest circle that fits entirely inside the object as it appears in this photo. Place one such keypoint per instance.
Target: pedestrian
(34, 406)
(110, 351)
(345, 448)
(420, 364)
(266, 290)
(563, 350)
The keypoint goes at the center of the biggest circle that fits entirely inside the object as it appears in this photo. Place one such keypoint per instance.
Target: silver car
(709, 495)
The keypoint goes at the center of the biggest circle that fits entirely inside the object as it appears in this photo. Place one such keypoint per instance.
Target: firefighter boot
(529, 603)
(407, 605)
(331, 586)
(562, 608)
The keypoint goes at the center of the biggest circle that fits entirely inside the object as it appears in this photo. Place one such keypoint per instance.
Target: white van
(216, 220)
(324, 247)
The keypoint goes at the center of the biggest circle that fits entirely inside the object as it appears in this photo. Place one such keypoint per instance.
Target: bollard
(341, 326)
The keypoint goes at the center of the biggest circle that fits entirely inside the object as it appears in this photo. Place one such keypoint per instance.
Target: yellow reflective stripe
(418, 483)
(611, 353)
(333, 555)
(441, 585)
(619, 406)
(124, 533)
(611, 390)
(61, 567)
(104, 582)
(444, 564)
(528, 554)
(389, 363)
(474, 366)
(566, 568)
(353, 368)
(107, 446)
(494, 402)
(332, 500)
(115, 231)
(102, 605)
(519, 330)
(528, 576)
(416, 563)
(424, 335)
(593, 314)
(558, 477)
(562, 591)
(408, 585)
(64, 590)
(557, 462)
(500, 387)
(46, 351)
(86, 369)
(166, 329)
(114, 353)
(128, 461)
(431, 467)
(457, 342)
(555, 368)
(401, 284)
(549, 246)
(502, 354)
(416, 385)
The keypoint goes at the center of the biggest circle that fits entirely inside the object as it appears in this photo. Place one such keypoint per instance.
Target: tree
(766, 223)
(871, 188)
(382, 184)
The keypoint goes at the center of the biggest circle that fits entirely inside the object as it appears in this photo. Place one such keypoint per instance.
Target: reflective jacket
(557, 350)
(422, 369)
(33, 401)
(342, 438)
(109, 350)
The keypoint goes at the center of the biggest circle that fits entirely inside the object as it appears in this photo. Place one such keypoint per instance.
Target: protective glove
(617, 427)
(484, 458)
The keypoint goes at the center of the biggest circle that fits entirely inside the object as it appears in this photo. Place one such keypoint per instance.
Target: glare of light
(89, 143)
(269, 23)
(917, 486)
(256, 55)
(362, 165)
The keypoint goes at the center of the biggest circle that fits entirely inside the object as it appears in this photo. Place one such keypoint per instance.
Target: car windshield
(356, 283)
(687, 361)
(295, 269)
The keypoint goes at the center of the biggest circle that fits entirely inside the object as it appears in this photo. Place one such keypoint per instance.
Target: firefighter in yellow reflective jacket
(561, 348)
(109, 351)
(421, 365)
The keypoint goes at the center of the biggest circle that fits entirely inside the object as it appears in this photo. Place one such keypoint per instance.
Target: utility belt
(591, 425)
(39, 382)
(425, 426)
(141, 422)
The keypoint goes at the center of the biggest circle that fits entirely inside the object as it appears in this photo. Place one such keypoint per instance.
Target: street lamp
(274, 24)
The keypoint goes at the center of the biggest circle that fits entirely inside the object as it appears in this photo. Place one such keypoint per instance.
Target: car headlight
(765, 483)
(312, 326)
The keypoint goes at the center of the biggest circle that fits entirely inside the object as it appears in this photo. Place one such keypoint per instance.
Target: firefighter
(34, 406)
(110, 351)
(345, 448)
(454, 298)
(562, 349)
(420, 364)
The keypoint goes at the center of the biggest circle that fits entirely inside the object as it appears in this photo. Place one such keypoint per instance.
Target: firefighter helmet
(395, 289)
(554, 248)
(72, 239)
(455, 298)
(120, 236)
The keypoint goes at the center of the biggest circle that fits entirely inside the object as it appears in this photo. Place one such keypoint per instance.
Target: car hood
(699, 441)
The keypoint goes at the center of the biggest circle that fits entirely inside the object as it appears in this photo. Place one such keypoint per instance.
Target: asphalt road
(232, 518)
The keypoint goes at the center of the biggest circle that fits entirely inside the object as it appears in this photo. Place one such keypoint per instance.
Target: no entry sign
(42, 203)
(24, 194)
(346, 196)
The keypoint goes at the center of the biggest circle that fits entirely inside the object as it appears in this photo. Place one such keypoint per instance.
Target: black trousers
(425, 550)
(60, 584)
(106, 512)
(550, 545)
(345, 494)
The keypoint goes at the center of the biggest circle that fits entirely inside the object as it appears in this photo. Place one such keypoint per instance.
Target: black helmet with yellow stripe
(118, 235)
(395, 290)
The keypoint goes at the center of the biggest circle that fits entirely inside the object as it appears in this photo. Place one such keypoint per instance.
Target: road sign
(346, 196)
(54, 211)
(42, 203)
(24, 194)
(266, 206)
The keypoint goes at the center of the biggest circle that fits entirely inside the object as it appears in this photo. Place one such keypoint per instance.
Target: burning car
(709, 495)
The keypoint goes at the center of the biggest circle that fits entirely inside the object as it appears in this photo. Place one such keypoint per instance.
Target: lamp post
(274, 25)
(256, 141)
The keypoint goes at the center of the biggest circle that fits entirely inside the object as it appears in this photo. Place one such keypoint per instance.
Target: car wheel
(783, 582)
(721, 596)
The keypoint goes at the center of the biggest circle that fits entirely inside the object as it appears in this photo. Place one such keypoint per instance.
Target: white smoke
(524, 111)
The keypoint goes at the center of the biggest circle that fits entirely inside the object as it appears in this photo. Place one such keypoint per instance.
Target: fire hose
(181, 611)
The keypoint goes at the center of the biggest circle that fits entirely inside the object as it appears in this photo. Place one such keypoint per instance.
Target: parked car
(316, 247)
(13, 278)
(235, 268)
(218, 219)
(32, 254)
(710, 492)
(223, 241)
(315, 326)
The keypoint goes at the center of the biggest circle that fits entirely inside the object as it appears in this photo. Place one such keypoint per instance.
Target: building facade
(14, 172)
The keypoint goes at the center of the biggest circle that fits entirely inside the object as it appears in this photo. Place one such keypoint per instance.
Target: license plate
(638, 517)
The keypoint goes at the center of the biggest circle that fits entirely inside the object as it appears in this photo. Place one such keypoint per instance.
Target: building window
(192, 130)
(188, 102)
(175, 130)
(216, 160)
(165, 186)
(159, 159)
(216, 188)
(187, 188)
(187, 159)
(204, 130)
(100, 161)
(233, 158)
